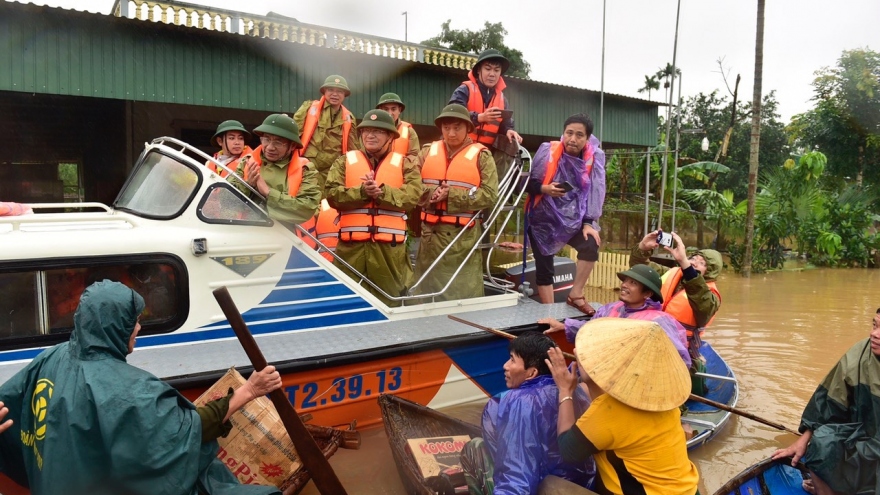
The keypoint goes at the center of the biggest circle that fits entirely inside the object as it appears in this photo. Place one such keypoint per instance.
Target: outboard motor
(564, 269)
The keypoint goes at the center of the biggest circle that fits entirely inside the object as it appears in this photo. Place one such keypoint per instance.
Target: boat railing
(104, 219)
(288, 29)
(513, 186)
(506, 189)
(232, 174)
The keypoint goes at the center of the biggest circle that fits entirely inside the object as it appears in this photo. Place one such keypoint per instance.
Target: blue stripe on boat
(475, 362)
(312, 292)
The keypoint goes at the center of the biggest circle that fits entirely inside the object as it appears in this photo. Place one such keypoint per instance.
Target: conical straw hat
(634, 362)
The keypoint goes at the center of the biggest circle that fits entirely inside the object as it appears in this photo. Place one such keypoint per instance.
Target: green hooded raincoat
(85, 421)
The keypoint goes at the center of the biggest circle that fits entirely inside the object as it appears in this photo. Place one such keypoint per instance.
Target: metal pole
(675, 163)
(602, 85)
(647, 187)
(405, 26)
(669, 119)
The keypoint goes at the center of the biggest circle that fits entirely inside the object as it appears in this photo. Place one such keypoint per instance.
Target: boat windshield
(161, 187)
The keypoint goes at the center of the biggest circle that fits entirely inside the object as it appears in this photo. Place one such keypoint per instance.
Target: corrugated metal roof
(57, 51)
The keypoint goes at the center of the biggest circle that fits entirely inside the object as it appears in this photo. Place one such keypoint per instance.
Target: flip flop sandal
(583, 306)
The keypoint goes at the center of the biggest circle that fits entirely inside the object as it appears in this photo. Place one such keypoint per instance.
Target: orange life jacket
(294, 181)
(676, 303)
(556, 150)
(401, 144)
(371, 223)
(487, 132)
(311, 124)
(219, 171)
(327, 228)
(463, 172)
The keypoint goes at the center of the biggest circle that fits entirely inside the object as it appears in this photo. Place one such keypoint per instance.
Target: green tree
(651, 84)
(491, 36)
(845, 123)
(711, 113)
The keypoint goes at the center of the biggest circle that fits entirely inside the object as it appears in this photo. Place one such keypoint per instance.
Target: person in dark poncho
(841, 442)
(85, 421)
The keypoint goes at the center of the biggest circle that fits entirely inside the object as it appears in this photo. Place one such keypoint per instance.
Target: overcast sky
(563, 40)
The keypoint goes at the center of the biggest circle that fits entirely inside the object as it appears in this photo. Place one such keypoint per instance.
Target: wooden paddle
(309, 452)
(695, 398)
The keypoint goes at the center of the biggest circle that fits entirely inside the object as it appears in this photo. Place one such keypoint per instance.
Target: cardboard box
(436, 454)
(257, 449)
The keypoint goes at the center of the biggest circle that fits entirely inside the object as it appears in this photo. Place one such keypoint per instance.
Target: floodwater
(780, 332)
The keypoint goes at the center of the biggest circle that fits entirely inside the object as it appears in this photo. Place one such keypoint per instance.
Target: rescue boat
(178, 230)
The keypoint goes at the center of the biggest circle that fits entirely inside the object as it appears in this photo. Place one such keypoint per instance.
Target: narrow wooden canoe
(405, 419)
(767, 477)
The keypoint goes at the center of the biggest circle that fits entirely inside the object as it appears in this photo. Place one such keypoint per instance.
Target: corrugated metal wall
(54, 51)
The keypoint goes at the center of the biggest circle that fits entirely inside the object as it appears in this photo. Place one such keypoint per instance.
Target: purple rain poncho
(650, 312)
(519, 428)
(553, 221)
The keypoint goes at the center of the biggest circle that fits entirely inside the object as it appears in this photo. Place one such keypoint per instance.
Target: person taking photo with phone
(566, 191)
(689, 291)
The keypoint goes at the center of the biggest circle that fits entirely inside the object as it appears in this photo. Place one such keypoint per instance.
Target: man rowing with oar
(85, 421)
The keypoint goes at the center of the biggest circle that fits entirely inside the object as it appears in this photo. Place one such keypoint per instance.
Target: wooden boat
(404, 420)
(767, 477)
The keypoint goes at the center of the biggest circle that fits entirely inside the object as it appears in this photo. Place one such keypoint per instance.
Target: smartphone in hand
(664, 239)
(566, 186)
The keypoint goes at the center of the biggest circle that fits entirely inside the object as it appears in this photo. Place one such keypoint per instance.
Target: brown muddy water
(780, 332)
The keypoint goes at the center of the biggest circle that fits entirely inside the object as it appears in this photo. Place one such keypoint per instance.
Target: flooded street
(780, 332)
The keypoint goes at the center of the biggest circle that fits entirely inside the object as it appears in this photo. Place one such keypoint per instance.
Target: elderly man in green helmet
(288, 182)
(328, 128)
(689, 291)
(489, 109)
(408, 142)
(372, 190)
(460, 180)
(232, 138)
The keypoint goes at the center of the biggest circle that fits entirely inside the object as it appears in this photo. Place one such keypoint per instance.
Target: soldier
(408, 142)
(328, 128)
(288, 182)
(232, 138)
(372, 190)
(460, 180)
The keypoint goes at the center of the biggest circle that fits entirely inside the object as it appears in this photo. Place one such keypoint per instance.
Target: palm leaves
(651, 84)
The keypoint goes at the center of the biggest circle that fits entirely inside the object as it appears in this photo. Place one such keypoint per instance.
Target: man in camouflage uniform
(327, 127)
(460, 180)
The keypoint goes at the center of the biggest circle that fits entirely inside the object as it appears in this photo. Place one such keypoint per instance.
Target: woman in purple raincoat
(566, 191)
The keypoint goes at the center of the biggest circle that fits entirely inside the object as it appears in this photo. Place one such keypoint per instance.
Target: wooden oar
(695, 398)
(309, 452)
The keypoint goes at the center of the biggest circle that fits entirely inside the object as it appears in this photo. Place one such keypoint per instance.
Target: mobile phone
(506, 114)
(566, 186)
(664, 239)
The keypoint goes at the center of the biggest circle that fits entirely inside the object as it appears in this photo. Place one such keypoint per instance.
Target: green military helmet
(226, 126)
(390, 98)
(281, 125)
(379, 119)
(336, 81)
(491, 54)
(455, 111)
(647, 276)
